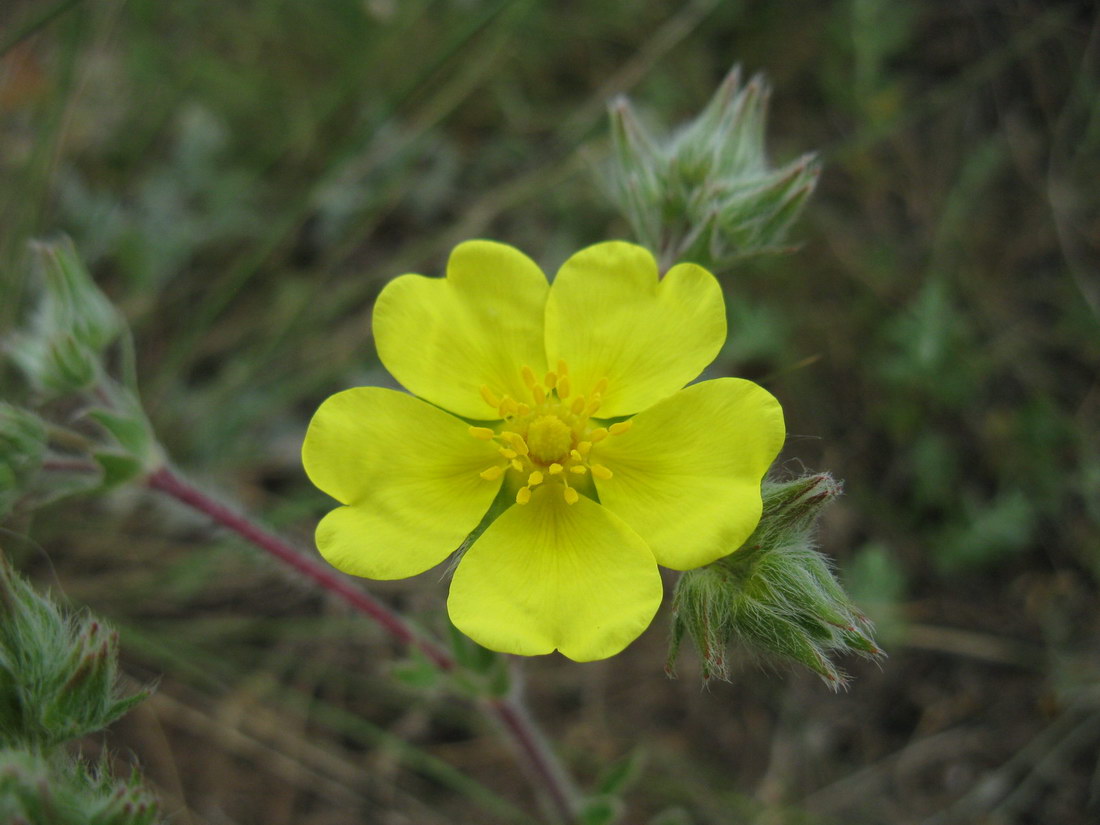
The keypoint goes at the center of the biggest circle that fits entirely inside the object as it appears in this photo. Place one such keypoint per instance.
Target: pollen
(548, 434)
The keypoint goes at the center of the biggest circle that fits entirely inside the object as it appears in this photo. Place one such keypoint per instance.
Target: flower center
(547, 436)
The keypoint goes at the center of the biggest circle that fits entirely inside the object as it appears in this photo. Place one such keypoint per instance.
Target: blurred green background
(243, 177)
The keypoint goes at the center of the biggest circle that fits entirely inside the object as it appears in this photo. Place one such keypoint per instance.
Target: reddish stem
(546, 771)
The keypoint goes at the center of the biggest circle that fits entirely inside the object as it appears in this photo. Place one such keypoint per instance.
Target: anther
(579, 469)
(620, 427)
(491, 473)
(584, 447)
(538, 394)
(555, 469)
(576, 455)
(598, 434)
(570, 495)
(534, 479)
(516, 465)
(523, 495)
(504, 451)
(562, 368)
(593, 406)
(489, 397)
(578, 405)
(550, 380)
(528, 376)
(522, 409)
(484, 433)
(600, 471)
(507, 407)
(563, 386)
(601, 385)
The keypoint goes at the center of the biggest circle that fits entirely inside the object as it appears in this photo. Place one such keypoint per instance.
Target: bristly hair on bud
(22, 449)
(73, 324)
(58, 673)
(39, 790)
(707, 193)
(776, 595)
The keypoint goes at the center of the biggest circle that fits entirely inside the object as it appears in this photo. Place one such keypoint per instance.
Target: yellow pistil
(547, 435)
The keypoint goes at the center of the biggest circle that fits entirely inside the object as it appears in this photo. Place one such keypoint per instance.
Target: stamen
(504, 451)
(601, 385)
(576, 455)
(593, 406)
(538, 394)
(516, 441)
(562, 368)
(491, 473)
(516, 465)
(555, 469)
(578, 405)
(528, 376)
(523, 495)
(585, 447)
(571, 495)
(507, 407)
(523, 409)
(484, 433)
(534, 479)
(579, 469)
(563, 386)
(620, 427)
(600, 471)
(487, 394)
(598, 434)
(550, 380)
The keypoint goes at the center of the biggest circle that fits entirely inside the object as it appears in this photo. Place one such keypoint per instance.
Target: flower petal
(549, 575)
(608, 316)
(443, 338)
(686, 475)
(409, 473)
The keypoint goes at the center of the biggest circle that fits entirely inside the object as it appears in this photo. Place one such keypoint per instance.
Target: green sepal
(118, 468)
(131, 431)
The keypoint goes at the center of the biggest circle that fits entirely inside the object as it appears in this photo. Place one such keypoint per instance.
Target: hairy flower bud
(57, 675)
(707, 193)
(22, 447)
(776, 595)
(73, 324)
(38, 790)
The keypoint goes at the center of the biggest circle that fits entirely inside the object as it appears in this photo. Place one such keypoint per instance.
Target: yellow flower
(567, 400)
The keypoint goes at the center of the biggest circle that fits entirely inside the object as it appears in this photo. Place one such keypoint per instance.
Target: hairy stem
(546, 772)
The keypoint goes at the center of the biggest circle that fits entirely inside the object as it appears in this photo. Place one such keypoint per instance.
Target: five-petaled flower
(567, 400)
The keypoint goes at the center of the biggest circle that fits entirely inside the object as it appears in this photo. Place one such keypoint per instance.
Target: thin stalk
(546, 772)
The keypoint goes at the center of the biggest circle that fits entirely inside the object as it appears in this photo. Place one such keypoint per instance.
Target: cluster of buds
(66, 351)
(57, 673)
(776, 595)
(38, 790)
(707, 193)
(62, 349)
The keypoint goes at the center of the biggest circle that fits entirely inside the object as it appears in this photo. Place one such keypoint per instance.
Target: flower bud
(708, 194)
(61, 351)
(776, 595)
(57, 677)
(22, 447)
